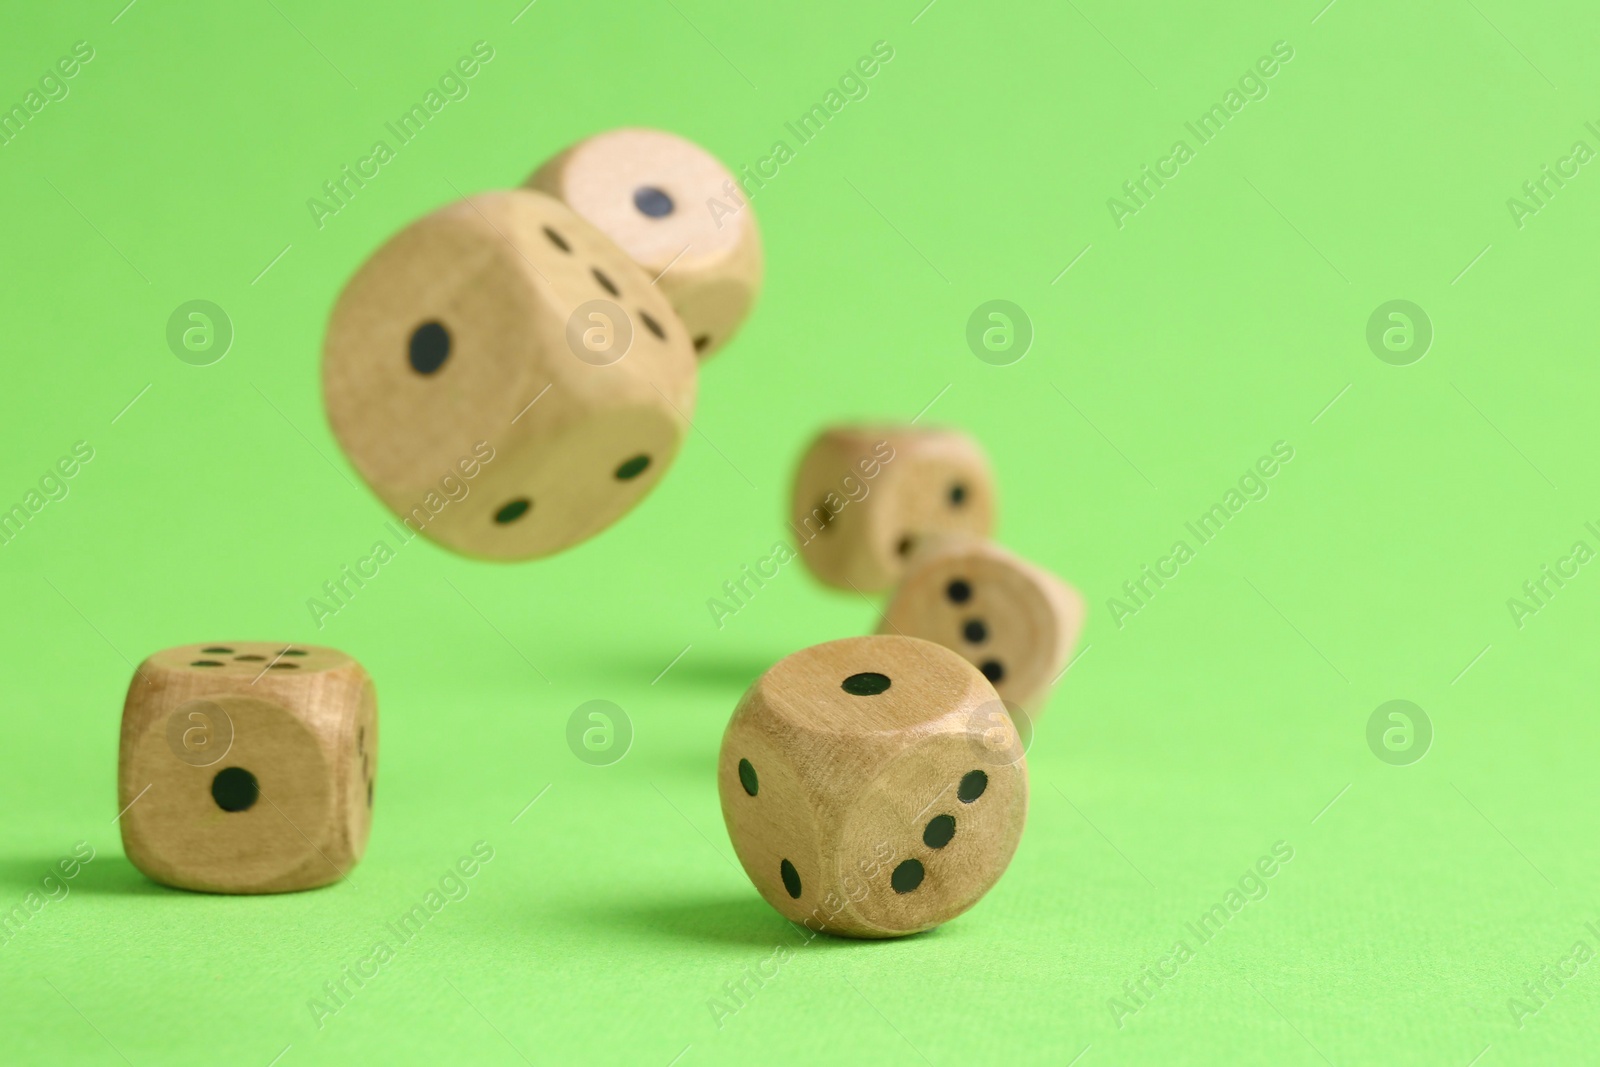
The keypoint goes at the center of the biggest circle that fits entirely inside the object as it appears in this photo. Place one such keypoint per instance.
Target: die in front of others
(247, 766)
(865, 788)
(505, 378)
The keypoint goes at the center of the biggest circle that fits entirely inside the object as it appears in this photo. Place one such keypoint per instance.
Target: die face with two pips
(247, 767)
(1016, 622)
(864, 497)
(504, 336)
(862, 789)
(677, 212)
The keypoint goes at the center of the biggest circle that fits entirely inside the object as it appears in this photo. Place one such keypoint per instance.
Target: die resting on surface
(505, 378)
(864, 496)
(247, 766)
(872, 787)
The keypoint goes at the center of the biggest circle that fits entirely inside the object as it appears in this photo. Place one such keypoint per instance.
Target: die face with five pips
(505, 378)
(1016, 622)
(677, 212)
(865, 496)
(862, 789)
(247, 766)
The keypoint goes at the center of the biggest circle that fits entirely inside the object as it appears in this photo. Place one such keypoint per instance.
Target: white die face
(504, 333)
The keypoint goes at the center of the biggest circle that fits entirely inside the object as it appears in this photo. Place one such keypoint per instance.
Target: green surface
(1226, 715)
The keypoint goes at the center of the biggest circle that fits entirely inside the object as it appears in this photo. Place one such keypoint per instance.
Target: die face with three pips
(680, 215)
(864, 790)
(865, 496)
(247, 767)
(504, 332)
(1016, 622)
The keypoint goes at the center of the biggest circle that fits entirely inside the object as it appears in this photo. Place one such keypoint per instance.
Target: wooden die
(864, 496)
(247, 766)
(678, 212)
(864, 790)
(1017, 623)
(505, 378)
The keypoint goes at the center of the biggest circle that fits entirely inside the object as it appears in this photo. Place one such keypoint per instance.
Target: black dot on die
(748, 779)
(632, 468)
(939, 831)
(973, 783)
(205, 663)
(513, 510)
(959, 591)
(557, 240)
(234, 789)
(791, 878)
(652, 201)
(866, 684)
(975, 631)
(430, 347)
(958, 495)
(702, 342)
(905, 546)
(992, 670)
(369, 794)
(216, 650)
(652, 325)
(907, 876)
(605, 283)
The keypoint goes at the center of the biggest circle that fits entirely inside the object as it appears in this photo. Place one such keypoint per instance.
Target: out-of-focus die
(864, 496)
(505, 378)
(866, 790)
(678, 212)
(1015, 622)
(247, 766)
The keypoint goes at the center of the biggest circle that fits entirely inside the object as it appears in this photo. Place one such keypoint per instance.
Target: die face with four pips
(1015, 622)
(862, 789)
(503, 349)
(865, 496)
(678, 212)
(247, 767)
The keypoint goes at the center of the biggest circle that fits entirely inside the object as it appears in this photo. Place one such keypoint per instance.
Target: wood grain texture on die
(247, 766)
(505, 378)
(863, 788)
(1016, 622)
(678, 212)
(863, 495)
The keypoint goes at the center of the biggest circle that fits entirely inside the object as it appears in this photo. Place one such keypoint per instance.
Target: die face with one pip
(1015, 622)
(505, 336)
(247, 766)
(863, 788)
(864, 496)
(678, 212)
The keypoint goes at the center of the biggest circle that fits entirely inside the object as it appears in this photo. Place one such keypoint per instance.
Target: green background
(1228, 714)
